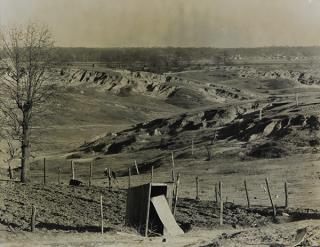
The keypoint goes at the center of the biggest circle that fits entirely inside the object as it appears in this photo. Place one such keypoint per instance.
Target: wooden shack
(140, 212)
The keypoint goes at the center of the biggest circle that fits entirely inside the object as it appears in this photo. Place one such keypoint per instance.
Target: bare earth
(111, 118)
(264, 236)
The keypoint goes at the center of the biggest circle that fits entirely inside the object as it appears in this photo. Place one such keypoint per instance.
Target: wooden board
(162, 208)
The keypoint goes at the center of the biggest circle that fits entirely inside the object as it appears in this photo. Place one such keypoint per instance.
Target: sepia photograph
(161, 123)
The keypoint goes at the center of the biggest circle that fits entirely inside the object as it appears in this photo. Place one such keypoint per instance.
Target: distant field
(246, 79)
(80, 114)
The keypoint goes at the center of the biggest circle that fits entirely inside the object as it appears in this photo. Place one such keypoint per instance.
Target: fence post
(271, 201)
(209, 152)
(197, 188)
(44, 171)
(221, 204)
(151, 174)
(173, 168)
(72, 169)
(109, 178)
(247, 194)
(90, 174)
(59, 172)
(176, 194)
(148, 212)
(286, 194)
(101, 214)
(33, 218)
(260, 113)
(216, 193)
(10, 172)
(129, 178)
(137, 170)
(192, 147)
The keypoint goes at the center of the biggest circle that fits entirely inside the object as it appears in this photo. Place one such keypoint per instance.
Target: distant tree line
(170, 58)
(148, 59)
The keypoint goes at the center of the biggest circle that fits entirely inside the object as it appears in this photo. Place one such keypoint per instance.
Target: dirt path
(306, 232)
(26, 239)
(264, 236)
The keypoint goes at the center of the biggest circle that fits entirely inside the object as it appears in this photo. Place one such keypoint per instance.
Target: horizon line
(188, 47)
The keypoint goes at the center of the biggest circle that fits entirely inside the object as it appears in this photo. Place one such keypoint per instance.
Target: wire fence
(290, 188)
(242, 192)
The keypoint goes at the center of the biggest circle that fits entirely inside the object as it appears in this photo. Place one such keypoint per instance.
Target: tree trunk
(25, 148)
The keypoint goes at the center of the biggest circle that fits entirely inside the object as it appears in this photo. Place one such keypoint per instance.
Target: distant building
(237, 57)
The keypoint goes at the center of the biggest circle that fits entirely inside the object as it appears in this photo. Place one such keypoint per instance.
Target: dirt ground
(301, 233)
(69, 216)
(272, 235)
(52, 239)
(78, 209)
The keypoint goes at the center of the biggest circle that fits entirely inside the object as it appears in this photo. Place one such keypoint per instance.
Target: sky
(186, 23)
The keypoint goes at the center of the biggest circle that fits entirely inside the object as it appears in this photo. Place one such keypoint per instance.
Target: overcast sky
(214, 23)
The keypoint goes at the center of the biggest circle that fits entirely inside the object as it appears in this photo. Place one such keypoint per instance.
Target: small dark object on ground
(186, 226)
(74, 156)
(314, 142)
(276, 245)
(268, 150)
(75, 182)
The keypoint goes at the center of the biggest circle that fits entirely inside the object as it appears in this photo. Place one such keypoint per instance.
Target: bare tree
(24, 64)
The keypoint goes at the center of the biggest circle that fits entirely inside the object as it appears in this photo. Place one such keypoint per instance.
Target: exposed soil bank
(69, 208)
